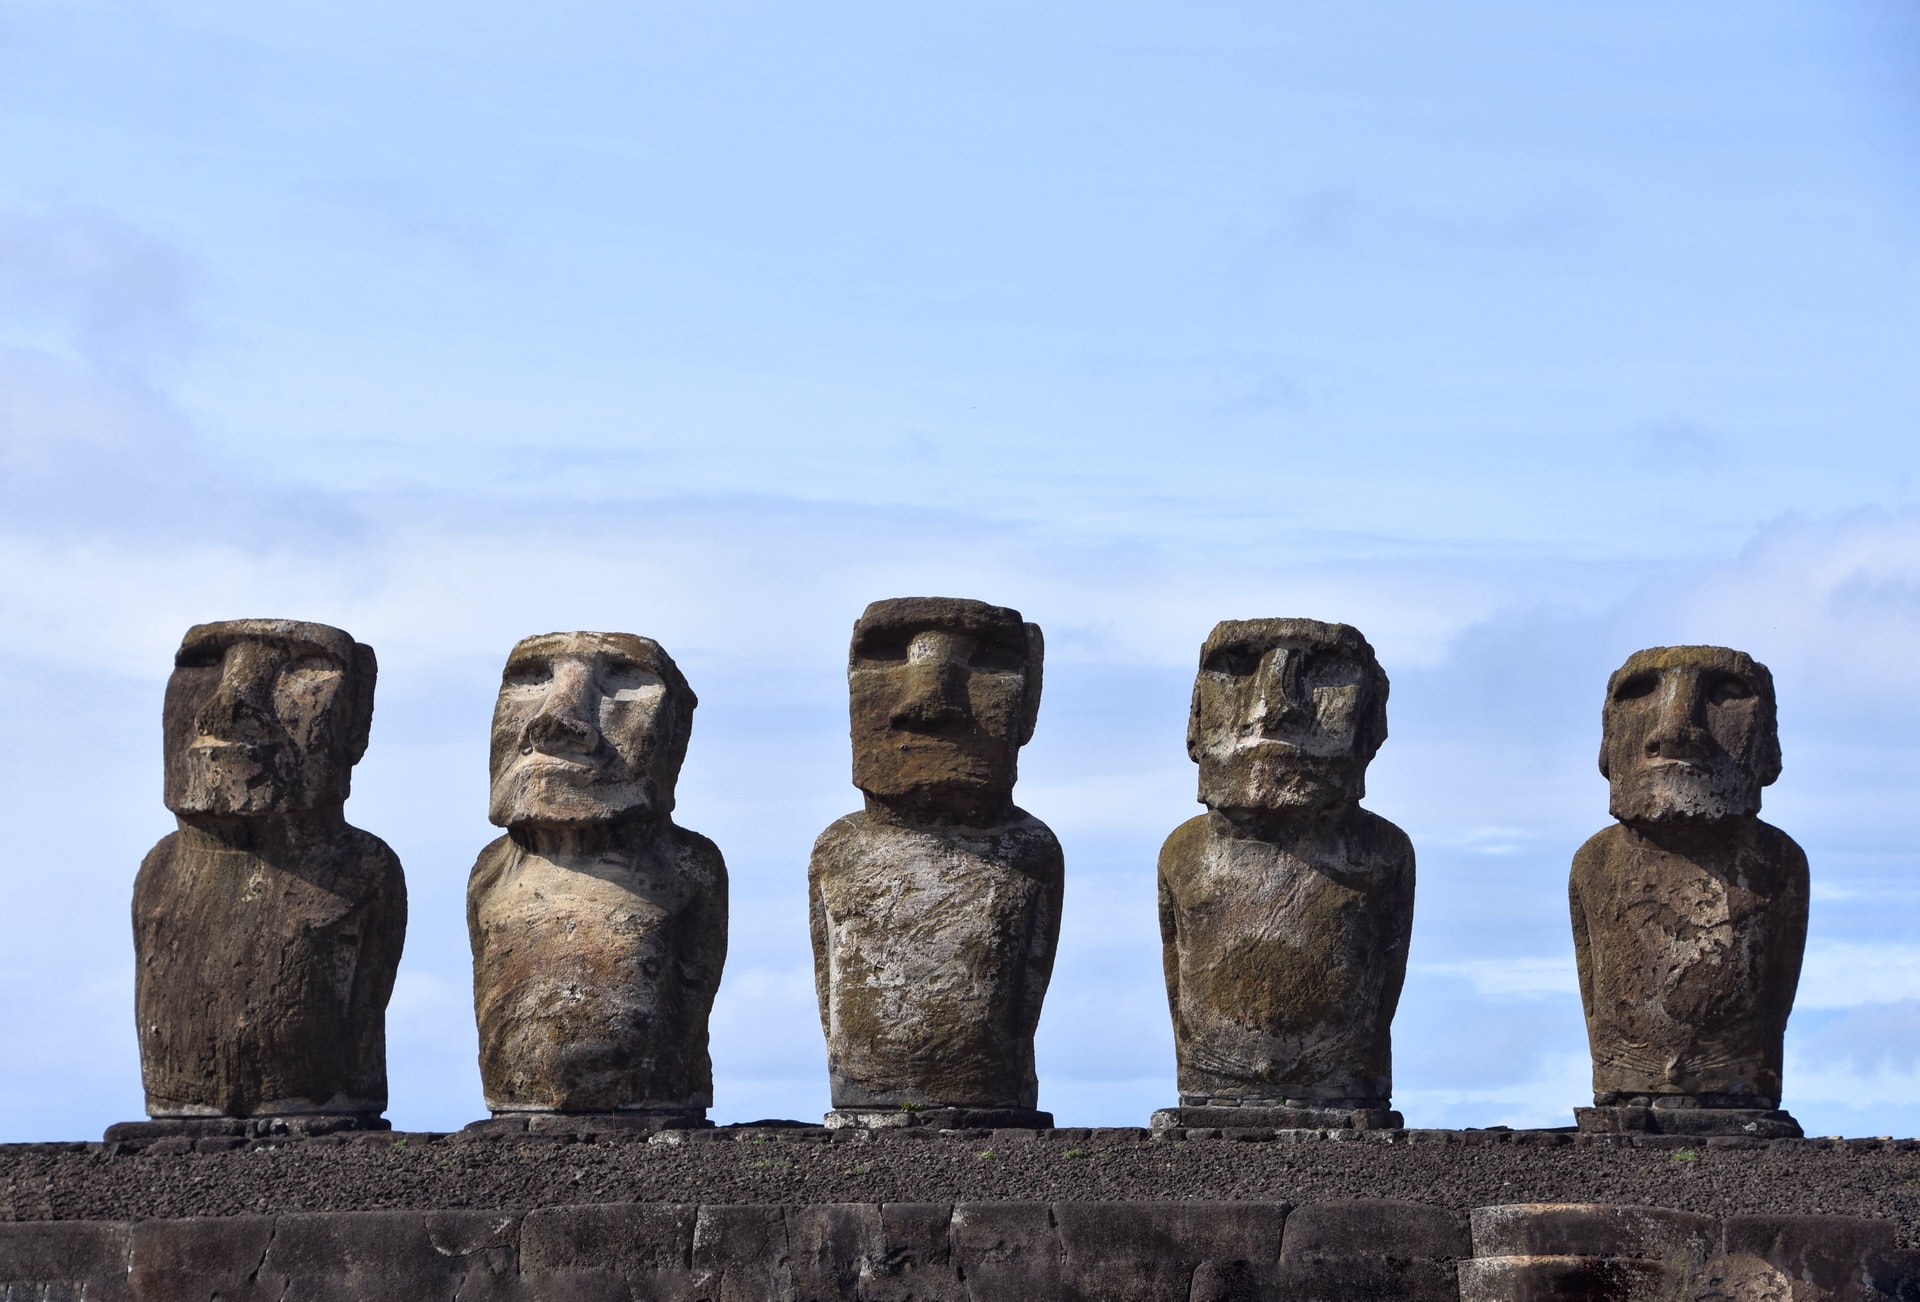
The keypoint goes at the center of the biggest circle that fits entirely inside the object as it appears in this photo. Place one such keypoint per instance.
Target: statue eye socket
(1330, 669)
(883, 644)
(1238, 661)
(995, 657)
(528, 673)
(310, 665)
(200, 657)
(1635, 686)
(1728, 687)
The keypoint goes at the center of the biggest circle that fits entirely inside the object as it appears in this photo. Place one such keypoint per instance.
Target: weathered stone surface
(938, 1118)
(1824, 1256)
(1188, 1251)
(1371, 1248)
(1689, 914)
(936, 910)
(266, 930)
(1285, 910)
(1272, 1118)
(599, 927)
(1007, 1250)
(1624, 1119)
(1593, 1230)
(1153, 1251)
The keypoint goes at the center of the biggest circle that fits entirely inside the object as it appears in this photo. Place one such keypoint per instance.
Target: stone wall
(1102, 1252)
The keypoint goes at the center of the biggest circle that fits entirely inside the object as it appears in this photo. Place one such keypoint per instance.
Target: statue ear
(366, 671)
(1030, 698)
(1193, 723)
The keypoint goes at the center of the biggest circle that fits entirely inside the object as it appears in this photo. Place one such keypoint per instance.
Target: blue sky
(1518, 336)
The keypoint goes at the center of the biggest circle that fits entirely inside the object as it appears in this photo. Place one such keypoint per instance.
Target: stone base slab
(589, 1123)
(1754, 1123)
(1276, 1118)
(939, 1118)
(938, 1252)
(287, 1126)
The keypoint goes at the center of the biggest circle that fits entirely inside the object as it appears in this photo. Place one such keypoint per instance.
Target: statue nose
(1677, 733)
(560, 734)
(241, 707)
(1276, 704)
(565, 723)
(936, 692)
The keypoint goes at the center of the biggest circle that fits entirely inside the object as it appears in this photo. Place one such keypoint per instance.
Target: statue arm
(703, 955)
(1577, 911)
(1044, 938)
(820, 931)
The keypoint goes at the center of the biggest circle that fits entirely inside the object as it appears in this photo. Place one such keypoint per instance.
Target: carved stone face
(944, 693)
(265, 716)
(1286, 715)
(588, 728)
(1688, 732)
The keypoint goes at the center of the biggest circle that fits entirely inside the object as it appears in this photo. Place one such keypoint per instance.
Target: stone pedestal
(1263, 1116)
(645, 1121)
(289, 1126)
(939, 1118)
(1619, 1119)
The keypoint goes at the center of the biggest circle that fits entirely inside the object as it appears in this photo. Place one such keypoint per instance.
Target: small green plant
(985, 1152)
(911, 1107)
(1685, 1155)
(399, 1143)
(863, 1168)
(772, 1164)
(1074, 1152)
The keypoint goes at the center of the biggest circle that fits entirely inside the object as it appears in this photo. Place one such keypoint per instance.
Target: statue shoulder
(374, 861)
(1181, 852)
(1597, 851)
(1380, 841)
(1032, 844)
(495, 859)
(698, 853)
(842, 836)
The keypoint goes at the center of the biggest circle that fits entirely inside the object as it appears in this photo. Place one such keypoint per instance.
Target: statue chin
(1663, 798)
(1277, 789)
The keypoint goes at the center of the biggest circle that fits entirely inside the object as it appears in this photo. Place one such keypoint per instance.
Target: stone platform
(939, 1119)
(798, 1211)
(1756, 1123)
(1194, 1251)
(1277, 1118)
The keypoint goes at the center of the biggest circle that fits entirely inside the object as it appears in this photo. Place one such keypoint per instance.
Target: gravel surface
(1455, 1169)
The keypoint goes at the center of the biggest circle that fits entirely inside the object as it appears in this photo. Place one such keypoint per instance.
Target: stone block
(1838, 1254)
(740, 1253)
(1593, 1230)
(1006, 1250)
(1751, 1123)
(828, 1244)
(612, 1251)
(64, 1261)
(1151, 1251)
(1364, 1248)
(1566, 1278)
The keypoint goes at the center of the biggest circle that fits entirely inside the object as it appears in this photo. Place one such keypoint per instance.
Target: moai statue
(599, 927)
(1689, 914)
(266, 931)
(935, 911)
(1285, 909)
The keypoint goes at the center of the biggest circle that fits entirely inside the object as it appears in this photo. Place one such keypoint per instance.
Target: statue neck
(268, 835)
(941, 809)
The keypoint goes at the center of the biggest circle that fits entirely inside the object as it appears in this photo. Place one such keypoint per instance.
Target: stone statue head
(1688, 733)
(944, 694)
(265, 717)
(1286, 715)
(588, 728)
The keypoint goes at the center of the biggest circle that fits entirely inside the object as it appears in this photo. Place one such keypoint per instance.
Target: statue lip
(1664, 762)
